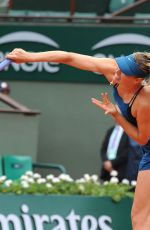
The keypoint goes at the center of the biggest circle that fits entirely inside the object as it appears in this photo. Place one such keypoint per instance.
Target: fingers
(17, 55)
(99, 104)
(105, 104)
(96, 102)
(15, 51)
(105, 98)
(10, 55)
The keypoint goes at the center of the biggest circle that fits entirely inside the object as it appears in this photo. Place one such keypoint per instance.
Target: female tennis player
(129, 77)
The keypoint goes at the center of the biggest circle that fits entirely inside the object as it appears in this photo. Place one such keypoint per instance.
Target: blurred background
(47, 112)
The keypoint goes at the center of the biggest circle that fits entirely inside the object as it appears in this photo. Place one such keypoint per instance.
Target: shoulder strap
(116, 85)
(134, 96)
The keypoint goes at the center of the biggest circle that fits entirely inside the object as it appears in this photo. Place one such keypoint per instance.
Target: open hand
(105, 104)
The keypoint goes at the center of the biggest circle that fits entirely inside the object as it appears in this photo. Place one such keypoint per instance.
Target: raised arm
(105, 66)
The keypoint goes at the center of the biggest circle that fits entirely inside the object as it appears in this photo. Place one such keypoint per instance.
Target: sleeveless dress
(125, 109)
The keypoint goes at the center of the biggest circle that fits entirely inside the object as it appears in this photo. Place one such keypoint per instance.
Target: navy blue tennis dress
(125, 109)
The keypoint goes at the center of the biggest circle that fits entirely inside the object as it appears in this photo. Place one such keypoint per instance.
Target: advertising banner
(99, 41)
(30, 212)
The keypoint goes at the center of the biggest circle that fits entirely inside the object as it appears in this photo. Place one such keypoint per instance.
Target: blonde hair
(143, 60)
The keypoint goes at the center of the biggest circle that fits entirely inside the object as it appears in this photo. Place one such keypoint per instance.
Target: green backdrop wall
(71, 129)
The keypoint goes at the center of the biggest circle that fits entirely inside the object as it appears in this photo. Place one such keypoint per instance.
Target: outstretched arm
(105, 66)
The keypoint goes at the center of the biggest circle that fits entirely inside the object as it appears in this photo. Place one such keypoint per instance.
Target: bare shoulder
(145, 97)
(146, 91)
